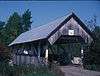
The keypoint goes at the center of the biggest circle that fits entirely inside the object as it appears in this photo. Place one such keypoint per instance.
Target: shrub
(31, 70)
(93, 67)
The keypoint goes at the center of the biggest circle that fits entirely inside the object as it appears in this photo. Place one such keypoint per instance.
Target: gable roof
(45, 31)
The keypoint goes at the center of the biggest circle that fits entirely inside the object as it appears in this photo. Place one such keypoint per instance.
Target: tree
(4, 53)
(5, 56)
(91, 23)
(1, 31)
(8, 32)
(91, 57)
(26, 20)
(2, 24)
(13, 28)
(95, 47)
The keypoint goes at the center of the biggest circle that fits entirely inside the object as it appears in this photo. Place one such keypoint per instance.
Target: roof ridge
(34, 33)
(49, 22)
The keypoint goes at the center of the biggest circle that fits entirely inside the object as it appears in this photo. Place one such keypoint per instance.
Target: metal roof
(46, 30)
(40, 32)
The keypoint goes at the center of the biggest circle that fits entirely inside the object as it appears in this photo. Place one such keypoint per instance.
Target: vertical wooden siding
(71, 25)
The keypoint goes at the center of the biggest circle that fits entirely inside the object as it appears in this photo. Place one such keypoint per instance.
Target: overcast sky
(46, 11)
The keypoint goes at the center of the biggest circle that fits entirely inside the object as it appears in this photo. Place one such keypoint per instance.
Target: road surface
(77, 71)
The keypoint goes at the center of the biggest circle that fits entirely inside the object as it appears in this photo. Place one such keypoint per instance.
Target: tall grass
(27, 70)
(93, 67)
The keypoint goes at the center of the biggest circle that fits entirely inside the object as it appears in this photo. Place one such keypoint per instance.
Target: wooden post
(46, 51)
(15, 59)
(20, 59)
(82, 55)
(46, 55)
(39, 51)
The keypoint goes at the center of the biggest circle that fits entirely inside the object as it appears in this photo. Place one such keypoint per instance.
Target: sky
(46, 11)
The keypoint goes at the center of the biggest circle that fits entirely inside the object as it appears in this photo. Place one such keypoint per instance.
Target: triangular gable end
(71, 23)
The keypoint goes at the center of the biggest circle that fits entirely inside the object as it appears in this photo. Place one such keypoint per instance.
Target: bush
(31, 70)
(28, 70)
(4, 53)
(4, 59)
(5, 69)
(93, 67)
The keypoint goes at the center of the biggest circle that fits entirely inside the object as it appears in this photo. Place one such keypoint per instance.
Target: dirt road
(77, 71)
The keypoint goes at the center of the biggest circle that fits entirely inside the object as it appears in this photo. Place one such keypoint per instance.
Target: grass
(36, 71)
(41, 74)
(93, 67)
(32, 70)
(29, 70)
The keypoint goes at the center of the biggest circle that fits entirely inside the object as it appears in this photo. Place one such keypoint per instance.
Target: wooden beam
(46, 55)
(39, 51)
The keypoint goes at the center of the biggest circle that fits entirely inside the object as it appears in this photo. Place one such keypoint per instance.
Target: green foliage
(95, 46)
(91, 23)
(26, 20)
(64, 59)
(64, 53)
(1, 30)
(2, 24)
(5, 69)
(4, 53)
(92, 56)
(24, 70)
(92, 67)
(15, 25)
(4, 58)
(13, 28)
(96, 32)
(8, 32)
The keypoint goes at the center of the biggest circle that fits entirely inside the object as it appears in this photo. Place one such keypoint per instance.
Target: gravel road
(78, 71)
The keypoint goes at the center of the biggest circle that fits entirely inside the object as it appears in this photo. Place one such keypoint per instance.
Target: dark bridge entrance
(65, 49)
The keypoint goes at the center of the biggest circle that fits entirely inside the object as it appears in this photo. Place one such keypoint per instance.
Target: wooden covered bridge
(67, 36)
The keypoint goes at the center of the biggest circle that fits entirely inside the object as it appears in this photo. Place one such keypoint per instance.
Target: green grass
(41, 74)
(32, 70)
(93, 67)
(27, 70)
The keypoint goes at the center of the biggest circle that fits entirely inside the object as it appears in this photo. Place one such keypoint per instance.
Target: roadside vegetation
(15, 25)
(92, 55)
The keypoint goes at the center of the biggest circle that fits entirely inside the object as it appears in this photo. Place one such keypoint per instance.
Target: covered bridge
(67, 36)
